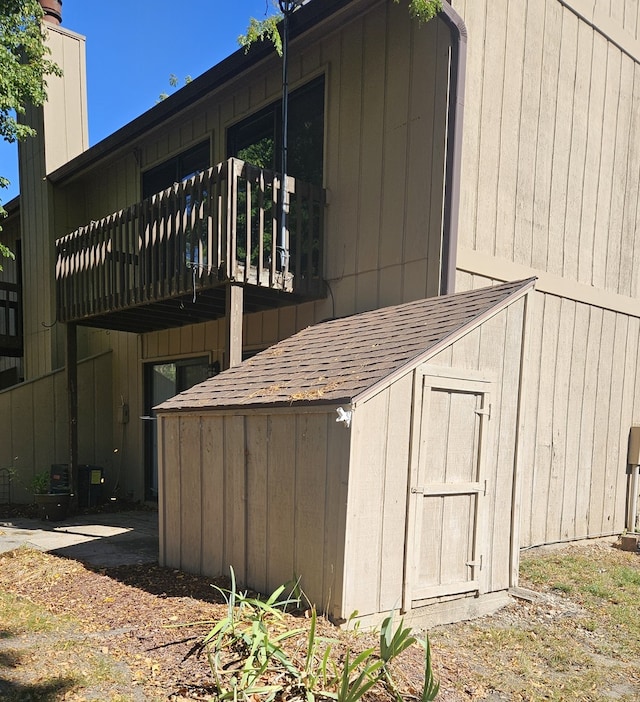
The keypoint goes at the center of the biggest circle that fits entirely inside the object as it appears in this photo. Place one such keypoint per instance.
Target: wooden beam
(72, 395)
(234, 310)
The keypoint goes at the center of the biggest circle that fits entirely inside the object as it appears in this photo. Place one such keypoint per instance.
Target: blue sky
(132, 50)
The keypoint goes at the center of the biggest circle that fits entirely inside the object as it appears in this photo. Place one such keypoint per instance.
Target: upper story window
(176, 169)
(258, 138)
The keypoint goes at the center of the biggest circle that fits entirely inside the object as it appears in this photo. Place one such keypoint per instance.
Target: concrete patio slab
(121, 538)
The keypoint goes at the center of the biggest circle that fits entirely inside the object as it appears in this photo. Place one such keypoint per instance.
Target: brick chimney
(52, 11)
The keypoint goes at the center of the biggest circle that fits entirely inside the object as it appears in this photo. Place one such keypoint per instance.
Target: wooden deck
(165, 261)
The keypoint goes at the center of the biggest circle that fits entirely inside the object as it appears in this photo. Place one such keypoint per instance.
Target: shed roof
(340, 360)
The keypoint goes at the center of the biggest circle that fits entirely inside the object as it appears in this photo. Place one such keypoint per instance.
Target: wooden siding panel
(562, 128)
(586, 467)
(338, 446)
(169, 497)
(510, 120)
(597, 81)
(191, 495)
(544, 432)
(490, 131)
(475, 19)
(43, 398)
(394, 147)
(607, 157)
(631, 231)
(576, 390)
(559, 415)
(281, 447)
(350, 106)
(235, 496)
(310, 503)
(364, 528)
(613, 279)
(545, 137)
(495, 527)
(257, 505)
(605, 371)
(508, 391)
(616, 450)
(395, 490)
(435, 202)
(422, 180)
(213, 496)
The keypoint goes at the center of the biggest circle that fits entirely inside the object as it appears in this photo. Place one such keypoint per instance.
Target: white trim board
(499, 269)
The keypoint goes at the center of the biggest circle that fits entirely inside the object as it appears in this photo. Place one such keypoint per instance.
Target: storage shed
(373, 457)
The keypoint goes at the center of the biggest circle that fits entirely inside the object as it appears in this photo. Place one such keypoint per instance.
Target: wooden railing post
(233, 343)
(139, 255)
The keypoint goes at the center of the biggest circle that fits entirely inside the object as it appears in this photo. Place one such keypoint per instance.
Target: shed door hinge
(475, 564)
(417, 491)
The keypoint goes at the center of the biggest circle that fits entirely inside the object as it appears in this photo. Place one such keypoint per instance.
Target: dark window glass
(258, 138)
(176, 169)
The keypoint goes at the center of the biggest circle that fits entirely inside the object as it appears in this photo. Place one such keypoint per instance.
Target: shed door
(445, 546)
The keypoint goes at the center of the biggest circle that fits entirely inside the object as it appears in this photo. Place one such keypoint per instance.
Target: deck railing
(220, 225)
(11, 341)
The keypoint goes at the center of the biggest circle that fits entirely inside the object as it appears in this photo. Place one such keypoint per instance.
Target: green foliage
(267, 29)
(41, 483)
(423, 10)
(23, 68)
(174, 82)
(248, 660)
(431, 687)
(262, 30)
(393, 643)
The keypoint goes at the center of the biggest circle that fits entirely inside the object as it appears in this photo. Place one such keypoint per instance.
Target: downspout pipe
(455, 112)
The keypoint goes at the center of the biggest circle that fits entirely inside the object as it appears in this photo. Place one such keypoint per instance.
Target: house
(490, 145)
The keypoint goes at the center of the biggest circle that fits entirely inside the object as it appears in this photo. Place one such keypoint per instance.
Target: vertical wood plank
(281, 447)
(310, 504)
(169, 496)
(191, 495)
(213, 495)
(395, 491)
(235, 504)
(257, 502)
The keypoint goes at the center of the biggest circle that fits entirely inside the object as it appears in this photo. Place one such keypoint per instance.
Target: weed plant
(249, 660)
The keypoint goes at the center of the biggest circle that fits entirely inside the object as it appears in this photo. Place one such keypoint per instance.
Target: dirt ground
(117, 629)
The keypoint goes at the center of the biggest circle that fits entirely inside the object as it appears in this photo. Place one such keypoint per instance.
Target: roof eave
(306, 18)
(286, 405)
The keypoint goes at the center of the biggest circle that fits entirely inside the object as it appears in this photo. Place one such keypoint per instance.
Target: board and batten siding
(262, 492)
(550, 176)
(386, 88)
(581, 396)
(380, 460)
(384, 179)
(61, 134)
(35, 428)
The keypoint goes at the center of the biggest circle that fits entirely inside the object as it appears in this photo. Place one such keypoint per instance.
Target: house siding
(34, 420)
(263, 493)
(552, 143)
(555, 190)
(384, 179)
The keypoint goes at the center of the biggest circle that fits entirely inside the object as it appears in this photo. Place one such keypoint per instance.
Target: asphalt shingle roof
(337, 360)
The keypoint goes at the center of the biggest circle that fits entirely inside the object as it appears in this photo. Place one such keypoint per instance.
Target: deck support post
(234, 309)
(72, 396)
